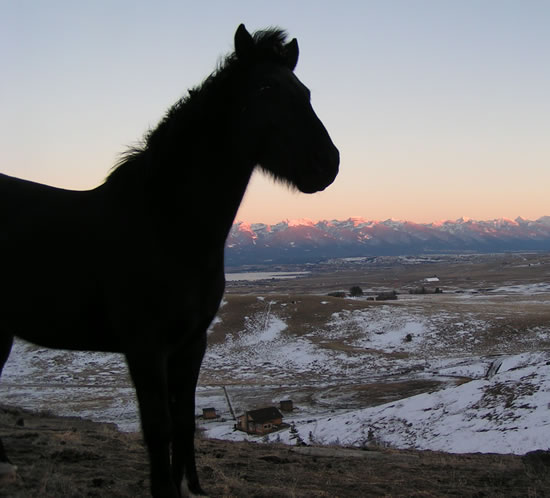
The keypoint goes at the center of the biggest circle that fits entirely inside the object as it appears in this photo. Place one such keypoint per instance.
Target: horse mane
(269, 45)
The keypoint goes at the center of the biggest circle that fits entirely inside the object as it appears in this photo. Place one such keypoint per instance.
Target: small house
(260, 421)
(209, 413)
(286, 405)
(386, 296)
(431, 279)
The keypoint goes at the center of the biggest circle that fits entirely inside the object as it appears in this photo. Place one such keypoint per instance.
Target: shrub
(355, 291)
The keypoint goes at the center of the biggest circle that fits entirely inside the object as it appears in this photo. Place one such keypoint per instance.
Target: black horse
(112, 269)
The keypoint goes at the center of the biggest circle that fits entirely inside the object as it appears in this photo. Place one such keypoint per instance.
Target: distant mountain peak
(305, 240)
(302, 222)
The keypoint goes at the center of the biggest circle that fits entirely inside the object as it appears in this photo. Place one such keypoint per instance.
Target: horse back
(47, 244)
(83, 270)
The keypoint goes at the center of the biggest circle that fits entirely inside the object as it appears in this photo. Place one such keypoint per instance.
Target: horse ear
(244, 44)
(292, 53)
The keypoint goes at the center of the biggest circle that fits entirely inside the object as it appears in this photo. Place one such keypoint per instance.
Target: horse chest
(176, 301)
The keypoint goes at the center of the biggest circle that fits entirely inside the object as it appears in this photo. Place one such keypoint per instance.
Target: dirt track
(71, 457)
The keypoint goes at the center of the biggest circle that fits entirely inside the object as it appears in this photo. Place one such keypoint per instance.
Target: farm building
(209, 413)
(286, 405)
(260, 421)
(386, 296)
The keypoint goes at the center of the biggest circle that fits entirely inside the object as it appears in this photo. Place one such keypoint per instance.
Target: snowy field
(464, 372)
(508, 413)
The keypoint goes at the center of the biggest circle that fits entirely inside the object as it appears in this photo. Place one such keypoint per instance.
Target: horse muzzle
(322, 172)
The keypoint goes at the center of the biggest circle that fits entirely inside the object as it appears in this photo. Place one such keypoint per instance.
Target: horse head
(277, 121)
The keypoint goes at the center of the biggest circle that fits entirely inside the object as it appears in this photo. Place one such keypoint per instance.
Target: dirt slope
(71, 457)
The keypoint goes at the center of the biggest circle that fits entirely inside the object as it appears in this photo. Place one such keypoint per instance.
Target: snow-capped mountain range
(300, 241)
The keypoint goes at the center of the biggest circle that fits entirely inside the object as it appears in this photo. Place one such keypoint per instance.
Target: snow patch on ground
(509, 413)
(526, 289)
(323, 369)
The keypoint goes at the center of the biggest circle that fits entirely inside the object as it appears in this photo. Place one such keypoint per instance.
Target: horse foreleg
(183, 373)
(6, 342)
(149, 377)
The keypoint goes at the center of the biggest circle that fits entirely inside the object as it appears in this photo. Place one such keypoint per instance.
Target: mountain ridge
(305, 240)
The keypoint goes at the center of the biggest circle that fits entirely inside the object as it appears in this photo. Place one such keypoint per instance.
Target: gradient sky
(440, 108)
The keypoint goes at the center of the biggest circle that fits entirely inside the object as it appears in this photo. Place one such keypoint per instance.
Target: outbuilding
(261, 421)
(209, 413)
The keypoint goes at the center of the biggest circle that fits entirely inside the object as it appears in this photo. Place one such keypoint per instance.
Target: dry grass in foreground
(71, 457)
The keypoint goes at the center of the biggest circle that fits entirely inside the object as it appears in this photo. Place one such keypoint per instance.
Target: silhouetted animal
(112, 269)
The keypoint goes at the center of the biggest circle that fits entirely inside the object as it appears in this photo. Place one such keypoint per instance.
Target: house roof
(264, 414)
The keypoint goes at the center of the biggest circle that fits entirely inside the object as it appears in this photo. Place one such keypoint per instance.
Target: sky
(440, 109)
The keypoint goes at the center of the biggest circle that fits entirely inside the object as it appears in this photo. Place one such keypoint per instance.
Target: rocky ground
(72, 457)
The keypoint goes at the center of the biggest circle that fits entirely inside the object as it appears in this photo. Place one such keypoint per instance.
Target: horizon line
(361, 219)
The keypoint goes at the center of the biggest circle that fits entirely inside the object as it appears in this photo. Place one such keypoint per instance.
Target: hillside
(70, 457)
(461, 371)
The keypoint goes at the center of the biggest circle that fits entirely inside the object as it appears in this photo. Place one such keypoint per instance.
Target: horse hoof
(8, 473)
(192, 492)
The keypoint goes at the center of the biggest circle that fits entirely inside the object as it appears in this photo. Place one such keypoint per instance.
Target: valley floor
(461, 371)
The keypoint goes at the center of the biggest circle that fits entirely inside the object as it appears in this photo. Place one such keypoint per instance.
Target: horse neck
(191, 172)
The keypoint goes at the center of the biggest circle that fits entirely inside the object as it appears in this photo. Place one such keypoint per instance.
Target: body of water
(253, 276)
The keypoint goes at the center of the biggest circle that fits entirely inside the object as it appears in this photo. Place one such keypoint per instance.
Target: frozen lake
(263, 275)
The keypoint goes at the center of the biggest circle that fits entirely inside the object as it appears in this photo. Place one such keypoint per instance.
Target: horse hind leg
(6, 342)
